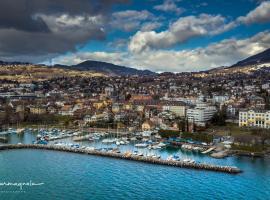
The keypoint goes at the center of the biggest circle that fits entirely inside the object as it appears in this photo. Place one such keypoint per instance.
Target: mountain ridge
(107, 68)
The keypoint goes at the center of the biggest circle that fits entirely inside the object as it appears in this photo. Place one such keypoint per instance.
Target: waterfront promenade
(127, 156)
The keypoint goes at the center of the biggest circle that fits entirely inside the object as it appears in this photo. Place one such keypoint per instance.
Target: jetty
(180, 164)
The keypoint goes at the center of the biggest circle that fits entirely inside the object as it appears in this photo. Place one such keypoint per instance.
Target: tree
(219, 118)
(264, 134)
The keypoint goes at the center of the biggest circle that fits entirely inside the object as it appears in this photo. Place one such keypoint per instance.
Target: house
(116, 107)
(87, 119)
(66, 110)
(147, 125)
(38, 110)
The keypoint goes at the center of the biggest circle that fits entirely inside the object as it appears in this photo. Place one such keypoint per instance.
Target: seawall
(180, 164)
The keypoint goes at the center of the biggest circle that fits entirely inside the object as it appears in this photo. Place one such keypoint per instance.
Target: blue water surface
(72, 176)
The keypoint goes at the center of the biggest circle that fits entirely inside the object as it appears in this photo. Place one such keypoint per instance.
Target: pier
(180, 164)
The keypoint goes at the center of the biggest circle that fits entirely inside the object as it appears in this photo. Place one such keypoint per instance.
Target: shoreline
(180, 164)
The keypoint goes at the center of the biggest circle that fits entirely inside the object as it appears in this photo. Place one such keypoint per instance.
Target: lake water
(73, 176)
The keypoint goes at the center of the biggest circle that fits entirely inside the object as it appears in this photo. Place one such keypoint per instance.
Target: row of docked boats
(151, 145)
(177, 158)
(12, 131)
(190, 147)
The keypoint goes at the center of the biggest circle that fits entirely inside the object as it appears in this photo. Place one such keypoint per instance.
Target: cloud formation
(224, 53)
(169, 6)
(45, 28)
(261, 14)
(130, 20)
(180, 31)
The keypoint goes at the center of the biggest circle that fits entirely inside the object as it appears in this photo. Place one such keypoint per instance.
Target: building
(178, 108)
(201, 114)
(254, 118)
(38, 110)
(220, 99)
(147, 125)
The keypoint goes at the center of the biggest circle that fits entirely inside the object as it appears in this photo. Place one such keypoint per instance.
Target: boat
(156, 156)
(141, 145)
(90, 148)
(96, 137)
(170, 158)
(161, 145)
(108, 141)
(188, 160)
(20, 130)
(122, 142)
(133, 139)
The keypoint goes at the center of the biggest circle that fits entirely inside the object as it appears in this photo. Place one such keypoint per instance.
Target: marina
(146, 143)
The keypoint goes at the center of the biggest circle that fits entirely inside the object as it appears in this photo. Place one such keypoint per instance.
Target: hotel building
(254, 118)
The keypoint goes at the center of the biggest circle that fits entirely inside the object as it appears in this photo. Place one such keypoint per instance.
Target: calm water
(73, 176)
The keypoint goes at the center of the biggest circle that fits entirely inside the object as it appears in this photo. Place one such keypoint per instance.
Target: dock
(209, 150)
(180, 164)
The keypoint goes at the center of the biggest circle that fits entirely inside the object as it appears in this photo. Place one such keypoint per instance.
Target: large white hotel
(254, 118)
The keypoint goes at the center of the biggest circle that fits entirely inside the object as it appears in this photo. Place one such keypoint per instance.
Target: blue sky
(160, 35)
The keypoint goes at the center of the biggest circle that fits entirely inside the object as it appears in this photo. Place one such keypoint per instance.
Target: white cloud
(224, 53)
(261, 14)
(180, 31)
(130, 20)
(149, 26)
(79, 57)
(73, 26)
(169, 6)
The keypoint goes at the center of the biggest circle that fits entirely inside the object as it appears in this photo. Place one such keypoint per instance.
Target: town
(232, 110)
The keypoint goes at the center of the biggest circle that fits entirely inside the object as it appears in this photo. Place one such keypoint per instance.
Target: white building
(201, 114)
(220, 99)
(253, 118)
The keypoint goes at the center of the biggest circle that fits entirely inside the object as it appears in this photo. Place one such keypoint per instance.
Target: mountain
(256, 63)
(107, 68)
(260, 58)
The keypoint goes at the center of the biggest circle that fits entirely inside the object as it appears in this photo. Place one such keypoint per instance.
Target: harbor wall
(180, 164)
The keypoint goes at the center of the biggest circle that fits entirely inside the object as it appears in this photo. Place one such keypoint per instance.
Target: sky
(159, 35)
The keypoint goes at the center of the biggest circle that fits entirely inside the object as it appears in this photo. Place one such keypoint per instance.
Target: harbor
(174, 163)
(147, 144)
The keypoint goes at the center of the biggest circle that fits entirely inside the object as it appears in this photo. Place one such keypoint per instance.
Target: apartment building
(201, 114)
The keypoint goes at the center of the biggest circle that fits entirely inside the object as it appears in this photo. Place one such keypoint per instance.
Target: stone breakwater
(181, 164)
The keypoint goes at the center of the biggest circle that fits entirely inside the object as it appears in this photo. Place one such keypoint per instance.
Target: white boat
(170, 158)
(161, 145)
(140, 154)
(108, 141)
(156, 156)
(188, 160)
(133, 139)
(146, 133)
(122, 142)
(90, 148)
(141, 145)
(157, 136)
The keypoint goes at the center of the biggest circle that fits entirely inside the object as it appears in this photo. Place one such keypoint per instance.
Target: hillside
(260, 58)
(26, 73)
(258, 63)
(106, 68)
